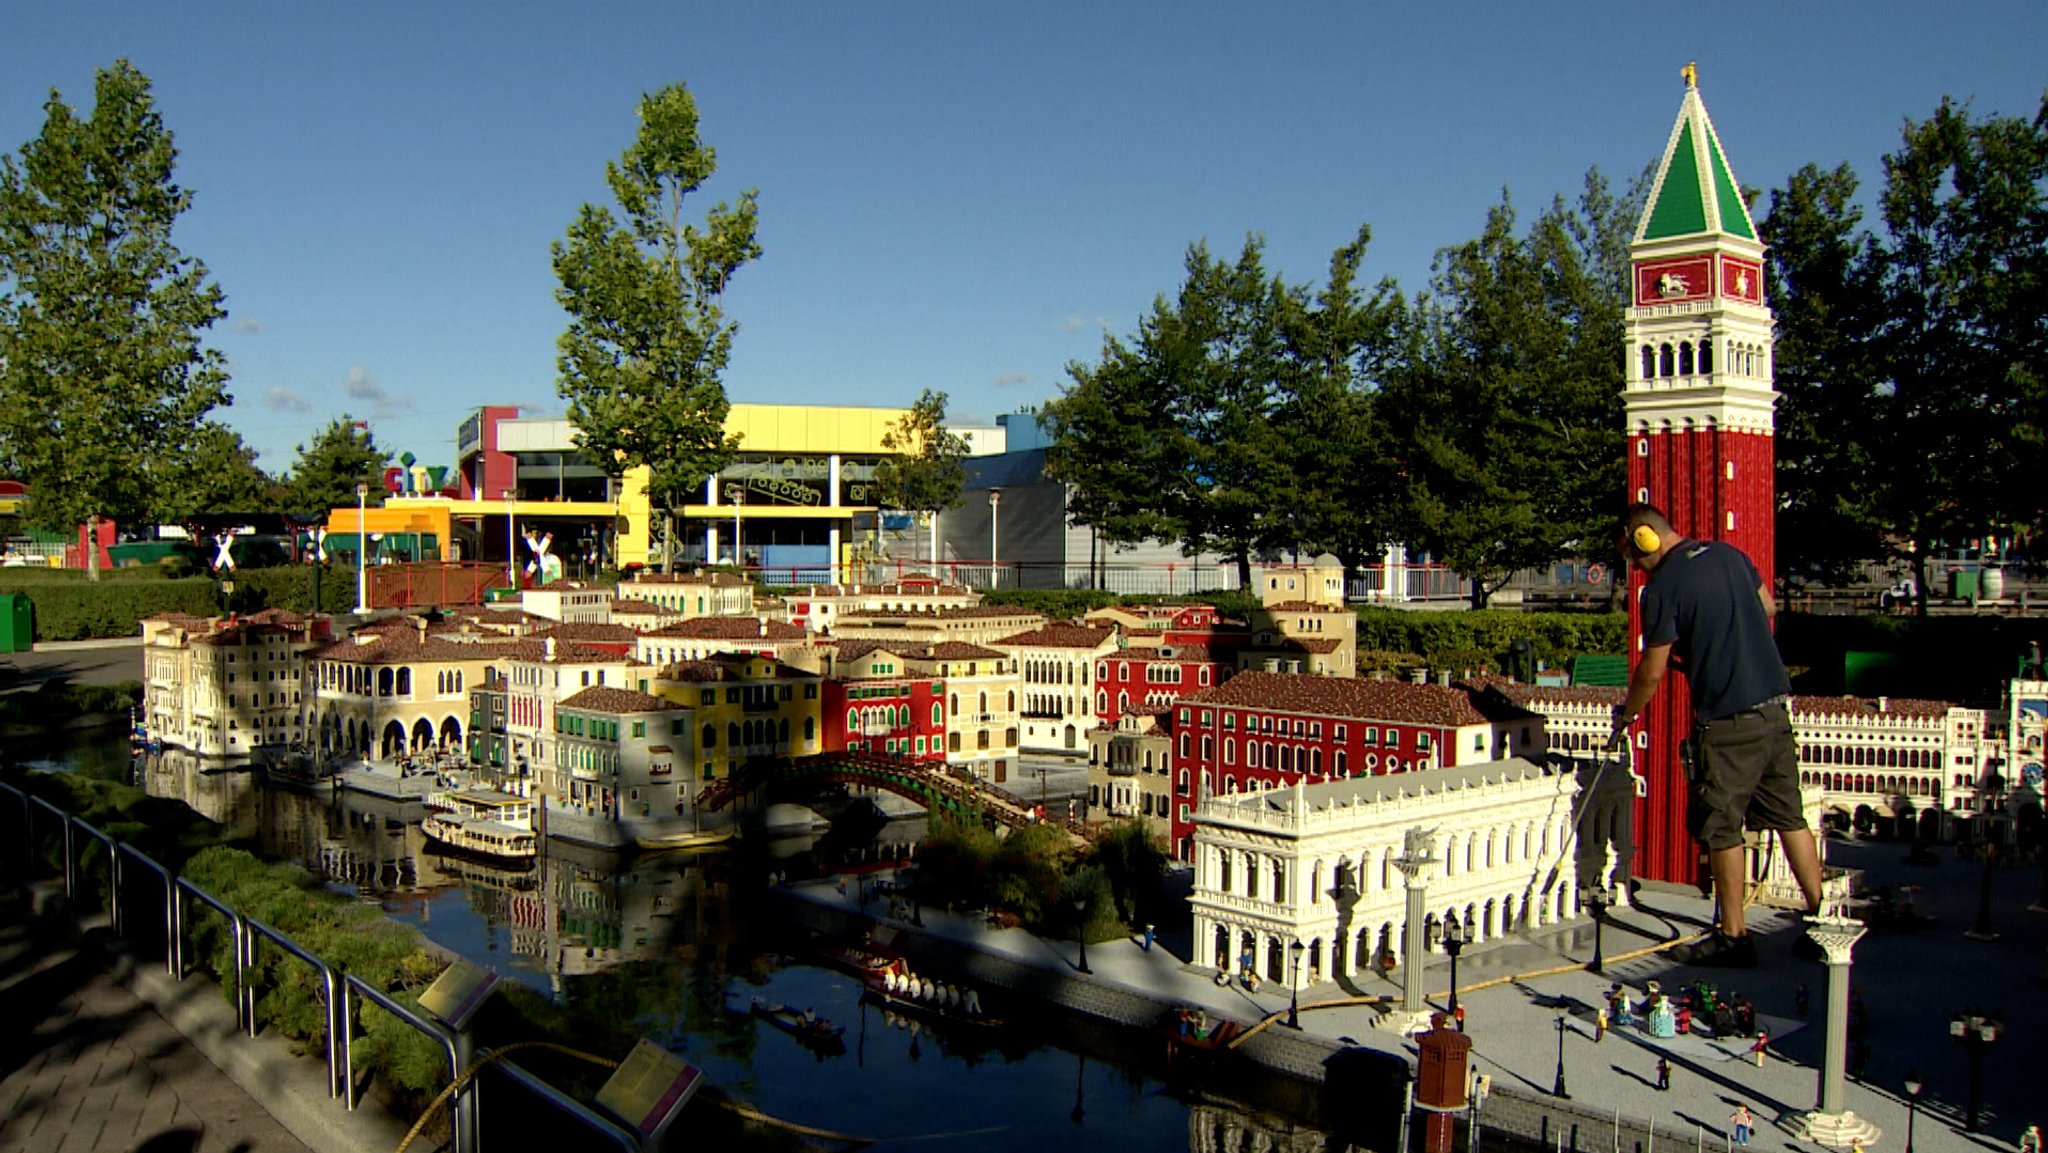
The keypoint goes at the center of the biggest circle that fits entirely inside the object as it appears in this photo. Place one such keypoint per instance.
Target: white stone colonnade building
(1315, 864)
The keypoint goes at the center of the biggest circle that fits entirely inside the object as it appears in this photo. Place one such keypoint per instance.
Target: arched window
(852, 721)
(1685, 358)
(1229, 751)
(384, 679)
(956, 703)
(1706, 357)
(1101, 701)
(710, 737)
(1649, 362)
(1664, 365)
(810, 729)
(938, 715)
(732, 733)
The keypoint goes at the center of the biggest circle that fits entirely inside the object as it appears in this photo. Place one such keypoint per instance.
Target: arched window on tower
(1706, 357)
(1664, 360)
(1649, 362)
(1685, 358)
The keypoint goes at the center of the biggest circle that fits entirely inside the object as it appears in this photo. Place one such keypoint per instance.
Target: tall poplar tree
(648, 338)
(102, 375)
(331, 465)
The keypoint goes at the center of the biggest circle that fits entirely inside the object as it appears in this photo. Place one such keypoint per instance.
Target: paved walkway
(85, 1065)
(1911, 983)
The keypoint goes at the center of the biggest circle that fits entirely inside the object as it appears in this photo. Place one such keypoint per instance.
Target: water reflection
(678, 946)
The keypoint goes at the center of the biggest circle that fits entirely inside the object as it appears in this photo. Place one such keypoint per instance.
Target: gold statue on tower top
(1691, 72)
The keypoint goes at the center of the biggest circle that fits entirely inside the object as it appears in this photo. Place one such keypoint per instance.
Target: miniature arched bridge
(927, 784)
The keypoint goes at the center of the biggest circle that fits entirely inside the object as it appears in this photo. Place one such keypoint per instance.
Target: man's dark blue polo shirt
(1702, 601)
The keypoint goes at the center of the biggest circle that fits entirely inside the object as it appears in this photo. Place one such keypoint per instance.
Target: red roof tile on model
(1523, 694)
(731, 629)
(590, 632)
(1870, 706)
(605, 699)
(730, 667)
(1060, 636)
(1351, 699)
(956, 651)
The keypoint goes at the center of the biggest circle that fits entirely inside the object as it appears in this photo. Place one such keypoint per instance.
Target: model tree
(925, 475)
(102, 375)
(329, 467)
(216, 472)
(648, 338)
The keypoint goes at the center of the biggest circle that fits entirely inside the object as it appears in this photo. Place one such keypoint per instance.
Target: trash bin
(1962, 584)
(1993, 584)
(17, 623)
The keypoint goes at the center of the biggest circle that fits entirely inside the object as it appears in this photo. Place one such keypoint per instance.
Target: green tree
(1962, 339)
(1511, 406)
(1109, 449)
(647, 340)
(215, 472)
(328, 469)
(1821, 280)
(925, 476)
(101, 369)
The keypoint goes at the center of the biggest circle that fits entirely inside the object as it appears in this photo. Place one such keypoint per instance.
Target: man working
(1707, 613)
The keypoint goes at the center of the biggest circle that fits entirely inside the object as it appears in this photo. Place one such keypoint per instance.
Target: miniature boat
(485, 822)
(900, 990)
(803, 1024)
(1191, 1028)
(869, 957)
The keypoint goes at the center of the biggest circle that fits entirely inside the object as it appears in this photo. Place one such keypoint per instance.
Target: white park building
(1315, 864)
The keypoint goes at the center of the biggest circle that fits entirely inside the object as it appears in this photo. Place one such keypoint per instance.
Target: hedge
(69, 607)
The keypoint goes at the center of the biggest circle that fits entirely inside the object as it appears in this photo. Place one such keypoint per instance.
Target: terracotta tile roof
(1190, 654)
(917, 590)
(956, 651)
(1304, 607)
(954, 613)
(1347, 697)
(1539, 695)
(606, 699)
(731, 667)
(1059, 636)
(853, 650)
(624, 607)
(405, 646)
(1322, 646)
(731, 629)
(692, 672)
(1867, 706)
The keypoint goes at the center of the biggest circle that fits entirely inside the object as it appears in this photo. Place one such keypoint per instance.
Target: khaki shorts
(1745, 774)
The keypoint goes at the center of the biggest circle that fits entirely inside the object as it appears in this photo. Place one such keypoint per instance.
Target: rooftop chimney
(1883, 703)
(548, 647)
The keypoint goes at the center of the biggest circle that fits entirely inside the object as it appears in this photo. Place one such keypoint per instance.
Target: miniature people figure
(1763, 1038)
(1706, 610)
(1741, 1121)
(1599, 1026)
(1663, 1022)
(2030, 1139)
(1148, 937)
(1663, 1074)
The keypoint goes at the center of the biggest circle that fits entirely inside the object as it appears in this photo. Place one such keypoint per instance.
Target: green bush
(1481, 638)
(69, 607)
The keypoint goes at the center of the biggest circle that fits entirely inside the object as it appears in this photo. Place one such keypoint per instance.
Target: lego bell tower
(1699, 401)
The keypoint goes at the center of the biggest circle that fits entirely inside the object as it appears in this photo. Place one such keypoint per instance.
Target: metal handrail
(113, 867)
(240, 927)
(258, 929)
(27, 829)
(64, 819)
(590, 1119)
(173, 955)
(433, 1030)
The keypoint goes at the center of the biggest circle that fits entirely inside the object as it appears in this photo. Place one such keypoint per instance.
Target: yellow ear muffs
(1646, 539)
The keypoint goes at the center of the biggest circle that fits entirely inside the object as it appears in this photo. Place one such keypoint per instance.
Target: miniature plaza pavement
(1911, 983)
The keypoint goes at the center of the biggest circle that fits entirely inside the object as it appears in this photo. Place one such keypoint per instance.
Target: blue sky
(962, 197)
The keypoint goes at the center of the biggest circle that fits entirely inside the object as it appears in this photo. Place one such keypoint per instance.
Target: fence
(344, 995)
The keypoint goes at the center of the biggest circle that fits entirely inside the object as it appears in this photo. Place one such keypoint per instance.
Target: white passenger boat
(485, 822)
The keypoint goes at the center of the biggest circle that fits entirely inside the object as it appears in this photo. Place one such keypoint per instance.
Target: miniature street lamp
(362, 574)
(1454, 944)
(1294, 992)
(1081, 931)
(511, 540)
(1558, 1091)
(1977, 1033)
(1913, 1087)
(1598, 901)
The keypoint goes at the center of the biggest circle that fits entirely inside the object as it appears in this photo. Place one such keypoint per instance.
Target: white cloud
(1072, 323)
(250, 325)
(285, 400)
(1012, 379)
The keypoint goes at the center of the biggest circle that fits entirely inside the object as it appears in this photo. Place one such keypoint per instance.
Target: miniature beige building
(822, 607)
(397, 687)
(1130, 770)
(1302, 624)
(1056, 664)
(700, 638)
(982, 687)
(618, 752)
(228, 688)
(692, 594)
(569, 602)
(974, 625)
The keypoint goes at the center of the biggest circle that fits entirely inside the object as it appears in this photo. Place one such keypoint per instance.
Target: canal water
(687, 934)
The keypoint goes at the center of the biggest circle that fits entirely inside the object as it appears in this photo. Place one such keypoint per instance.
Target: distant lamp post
(511, 540)
(739, 503)
(1558, 1090)
(1081, 931)
(1913, 1087)
(1294, 991)
(362, 547)
(1598, 902)
(995, 501)
(1454, 944)
(1977, 1033)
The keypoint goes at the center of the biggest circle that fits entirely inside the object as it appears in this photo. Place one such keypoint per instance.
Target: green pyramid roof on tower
(1695, 191)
